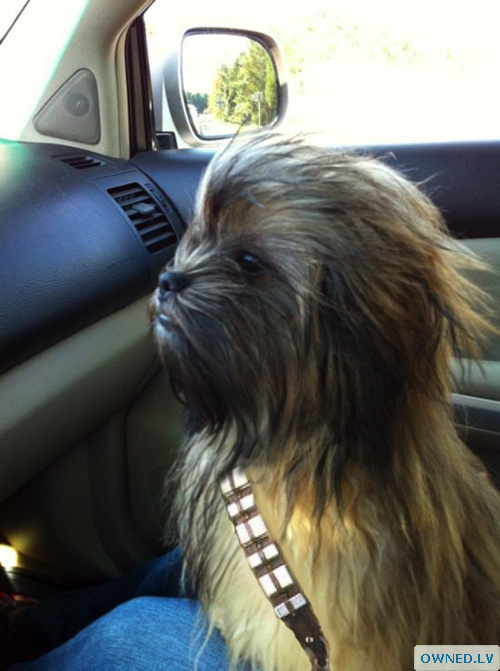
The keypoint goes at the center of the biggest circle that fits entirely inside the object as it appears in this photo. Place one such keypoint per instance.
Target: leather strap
(275, 578)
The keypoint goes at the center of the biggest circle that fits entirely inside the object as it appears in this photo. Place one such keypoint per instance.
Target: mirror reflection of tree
(245, 92)
(199, 100)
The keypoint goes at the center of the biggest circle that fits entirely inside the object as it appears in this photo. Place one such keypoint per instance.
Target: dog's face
(311, 291)
(230, 314)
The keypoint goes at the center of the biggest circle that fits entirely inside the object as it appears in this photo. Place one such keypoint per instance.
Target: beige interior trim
(107, 22)
(53, 400)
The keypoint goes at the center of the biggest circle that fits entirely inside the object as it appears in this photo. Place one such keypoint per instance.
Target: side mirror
(224, 82)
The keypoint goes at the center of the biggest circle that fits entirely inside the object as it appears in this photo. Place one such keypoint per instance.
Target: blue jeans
(140, 622)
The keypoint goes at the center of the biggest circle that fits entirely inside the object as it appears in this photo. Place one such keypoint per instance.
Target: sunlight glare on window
(9, 11)
(366, 72)
(29, 59)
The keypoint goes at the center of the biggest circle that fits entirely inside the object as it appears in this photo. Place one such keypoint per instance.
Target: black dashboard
(81, 235)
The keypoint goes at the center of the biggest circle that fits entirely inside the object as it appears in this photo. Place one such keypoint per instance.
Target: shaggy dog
(308, 320)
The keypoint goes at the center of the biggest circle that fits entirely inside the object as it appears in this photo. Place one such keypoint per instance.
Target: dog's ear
(384, 337)
(370, 323)
(404, 314)
(359, 374)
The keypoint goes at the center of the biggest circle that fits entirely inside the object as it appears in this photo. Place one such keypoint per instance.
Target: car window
(367, 72)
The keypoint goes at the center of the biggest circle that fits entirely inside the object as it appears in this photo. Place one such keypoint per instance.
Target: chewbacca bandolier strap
(275, 578)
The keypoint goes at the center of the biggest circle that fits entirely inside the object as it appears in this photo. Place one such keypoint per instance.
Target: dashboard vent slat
(147, 217)
(82, 162)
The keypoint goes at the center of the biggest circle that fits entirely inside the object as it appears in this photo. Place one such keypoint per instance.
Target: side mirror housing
(223, 81)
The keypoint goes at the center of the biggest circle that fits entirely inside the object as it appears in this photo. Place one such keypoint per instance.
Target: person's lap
(144, 634)
(141, 622)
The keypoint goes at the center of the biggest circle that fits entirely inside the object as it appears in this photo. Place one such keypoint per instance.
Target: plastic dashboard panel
(178, 173)
(462, 179)
(69, 255)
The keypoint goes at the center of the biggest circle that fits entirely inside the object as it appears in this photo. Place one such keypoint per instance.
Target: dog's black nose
(171, 281)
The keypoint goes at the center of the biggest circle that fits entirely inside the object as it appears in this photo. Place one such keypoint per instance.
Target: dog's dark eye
(250, 264)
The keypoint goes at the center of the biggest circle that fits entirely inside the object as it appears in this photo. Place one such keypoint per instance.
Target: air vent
(146, 215)
(82, 162)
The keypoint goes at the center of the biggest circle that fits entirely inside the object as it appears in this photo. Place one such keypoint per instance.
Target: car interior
(93, 201)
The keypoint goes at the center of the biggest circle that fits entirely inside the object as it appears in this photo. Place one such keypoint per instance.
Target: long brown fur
(320, 363)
